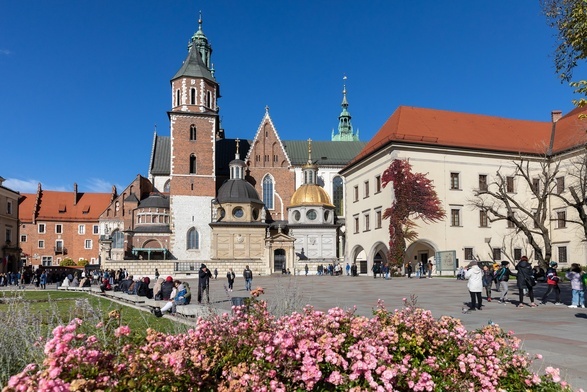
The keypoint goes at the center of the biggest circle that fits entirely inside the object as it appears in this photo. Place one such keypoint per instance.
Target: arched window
(193, 239)
(192, 132)
(167, 186)
(337, 195)
(117, 239)
(192, 164)
(268, 192)
(193, 96)
(209, 99)
(177, 102)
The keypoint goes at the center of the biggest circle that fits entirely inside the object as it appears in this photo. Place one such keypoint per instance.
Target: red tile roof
(442, 128)
(52, 203)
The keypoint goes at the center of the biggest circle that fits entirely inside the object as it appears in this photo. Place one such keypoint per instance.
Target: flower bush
(251, 350)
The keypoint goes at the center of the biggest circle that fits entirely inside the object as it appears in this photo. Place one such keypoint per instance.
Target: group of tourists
(482, 279)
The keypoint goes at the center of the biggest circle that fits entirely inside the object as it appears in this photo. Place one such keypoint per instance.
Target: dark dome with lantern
(238, 191)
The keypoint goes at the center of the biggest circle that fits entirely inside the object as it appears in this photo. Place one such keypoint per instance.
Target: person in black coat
(167, 288)
(524, 280)
(204, 283)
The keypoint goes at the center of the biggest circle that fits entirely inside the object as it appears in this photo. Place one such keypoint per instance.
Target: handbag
(530, 281)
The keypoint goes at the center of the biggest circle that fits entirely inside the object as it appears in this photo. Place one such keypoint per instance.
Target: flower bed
(251, 350)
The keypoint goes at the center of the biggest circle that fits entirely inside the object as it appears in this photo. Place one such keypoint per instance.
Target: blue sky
(84, 83)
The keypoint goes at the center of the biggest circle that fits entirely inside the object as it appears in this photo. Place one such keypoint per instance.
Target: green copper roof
(345, 127)
(324, 153)
(198, 62)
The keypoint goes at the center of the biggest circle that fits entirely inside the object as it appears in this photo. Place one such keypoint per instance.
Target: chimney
(74, 193)
(556, 115)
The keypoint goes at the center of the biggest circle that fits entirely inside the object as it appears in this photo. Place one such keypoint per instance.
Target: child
(502, 276)
(575, 276)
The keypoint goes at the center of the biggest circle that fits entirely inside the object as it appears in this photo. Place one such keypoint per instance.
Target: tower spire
(345, 128)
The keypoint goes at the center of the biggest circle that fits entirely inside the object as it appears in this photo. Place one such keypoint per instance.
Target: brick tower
(194, 128)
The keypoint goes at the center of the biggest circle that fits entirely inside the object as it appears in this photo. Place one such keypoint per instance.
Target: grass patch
(29, 317)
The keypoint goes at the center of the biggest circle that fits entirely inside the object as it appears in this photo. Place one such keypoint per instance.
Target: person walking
(348, 269)
(215, 273)
(552, 280)
(474, 275)
(204, 275)
(430, 267)
(306, 269)
(409, 270)
(503, 276)
(43, 280)
(575, 275)
(230, 276)
(248, 275)
(525, 280)
(156, 274)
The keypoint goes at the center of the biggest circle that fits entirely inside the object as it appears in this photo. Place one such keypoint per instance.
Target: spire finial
(310, 151)
(200, 21)
(266, 108)
(237, 143)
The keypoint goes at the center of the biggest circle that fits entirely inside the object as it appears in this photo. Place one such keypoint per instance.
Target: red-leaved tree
(415, 198)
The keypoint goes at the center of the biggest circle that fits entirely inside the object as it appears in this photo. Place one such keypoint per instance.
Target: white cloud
(5, 52)
(29, 186)
(98, 185)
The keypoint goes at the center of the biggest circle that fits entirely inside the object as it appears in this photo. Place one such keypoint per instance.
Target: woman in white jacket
(474, 275)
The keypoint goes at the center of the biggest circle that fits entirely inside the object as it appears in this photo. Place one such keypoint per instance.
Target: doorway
(279, 261)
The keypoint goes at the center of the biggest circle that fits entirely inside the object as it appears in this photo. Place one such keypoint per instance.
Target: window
(366, 189)
(192, 97)
(117, 240)
(41, 244)
(377, 184)
(455, 217)
(482, 182)
(366, 218)
(496, 253)
(9, 207)
(208, 99)
(47, 261)
(561, 219)
(81, 229)
(58, 246)
(88, 244)
(356, 193)
(509, 184)
(454, 181)
(177, 96)
(167, 186)
(192, 164)
(468, 253)
(96, 229)
(356, 219)
(23, 238)
(378, 219)
(268, 192)
(337, 195)
(193, 239)
(517, 253)
(58, 228)
(192, 132)
(560, 185)
(41, 228)
(483, 221)
(562, 254)
(8, 235)
(535, 187)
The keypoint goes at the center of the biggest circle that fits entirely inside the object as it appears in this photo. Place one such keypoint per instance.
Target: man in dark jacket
(204, 283)
(166, 288)
(525, 280)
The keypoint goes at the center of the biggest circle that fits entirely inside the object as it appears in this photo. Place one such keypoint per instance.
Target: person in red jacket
(552, 282)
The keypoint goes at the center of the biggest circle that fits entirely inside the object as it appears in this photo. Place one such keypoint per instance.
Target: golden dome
(310, 194)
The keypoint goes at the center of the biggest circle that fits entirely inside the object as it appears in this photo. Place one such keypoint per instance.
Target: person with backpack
(487, 281)
(525, 280)
(502, 275)
(552, 280)
(575, 275)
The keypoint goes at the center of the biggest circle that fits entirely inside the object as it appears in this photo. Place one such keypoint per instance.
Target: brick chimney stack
(556, 115)
(74, 193)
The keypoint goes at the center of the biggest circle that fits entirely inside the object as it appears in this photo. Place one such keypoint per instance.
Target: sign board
(446, 260)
